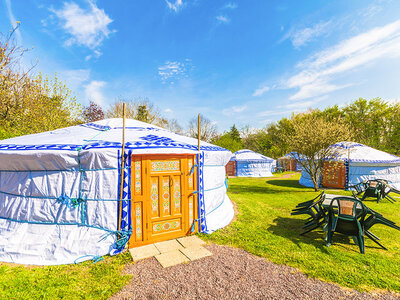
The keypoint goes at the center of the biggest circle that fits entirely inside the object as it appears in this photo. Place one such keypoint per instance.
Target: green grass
(265, 227)
(83, 281)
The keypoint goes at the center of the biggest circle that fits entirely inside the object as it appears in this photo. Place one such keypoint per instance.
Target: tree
(92, 113)
(311, 137)
(31, 104)
(234, 133)
(140, 109)
(226, 141)
(208, 130)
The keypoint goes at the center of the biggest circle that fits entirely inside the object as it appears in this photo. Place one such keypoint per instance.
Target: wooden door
(164, 206)
(334, 175)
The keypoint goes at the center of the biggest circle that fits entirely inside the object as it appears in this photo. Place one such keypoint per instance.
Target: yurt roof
(248, 155)
(359, 153)
(107, 134)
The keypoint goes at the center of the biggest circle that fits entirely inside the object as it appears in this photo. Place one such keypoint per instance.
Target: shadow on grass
(238, 189)
(290, 228)
(290, 183)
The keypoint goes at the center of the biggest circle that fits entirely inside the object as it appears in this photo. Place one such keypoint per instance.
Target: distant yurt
(61, 198)
(252, 164)
(288, 163)
(356, 163)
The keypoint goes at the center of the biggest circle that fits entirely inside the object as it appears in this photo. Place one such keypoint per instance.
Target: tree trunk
(315, 182)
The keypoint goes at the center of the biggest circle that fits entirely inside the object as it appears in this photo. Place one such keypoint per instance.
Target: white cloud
(305, 104)
(87, 27)
(318, 72)
(301, 37)
(175, 6)
(168, 111)
(234, 110)
(223, 19)
(230, 5)
(268, 113)
(93, 91)
(75, 78)
(13, 21)
(261, 91)
(173, 70)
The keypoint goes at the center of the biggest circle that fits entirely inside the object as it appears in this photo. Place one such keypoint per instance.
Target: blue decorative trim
(96, 126)
(347, 145)
(346, 183)
(157, 144)
(200, 196)
(125, 204)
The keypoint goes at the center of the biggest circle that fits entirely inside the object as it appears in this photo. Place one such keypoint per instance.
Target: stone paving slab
(143, 252)
(194, 253)
(168, 246)
(191, 241)
(171, 258)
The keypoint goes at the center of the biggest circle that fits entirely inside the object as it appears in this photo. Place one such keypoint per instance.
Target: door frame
(141, 199)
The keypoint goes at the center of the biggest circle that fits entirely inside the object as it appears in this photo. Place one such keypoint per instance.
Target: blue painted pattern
(149, 142)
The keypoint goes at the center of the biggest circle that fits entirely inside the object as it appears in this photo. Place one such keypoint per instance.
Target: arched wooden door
(163, 203)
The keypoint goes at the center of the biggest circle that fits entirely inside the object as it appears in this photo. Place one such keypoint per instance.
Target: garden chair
(346, 216)
(317, 212)
(376, 188)
(376, 218)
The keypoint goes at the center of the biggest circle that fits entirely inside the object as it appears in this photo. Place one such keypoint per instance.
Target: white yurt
(356, 163)
(252, 164)
(62, 201)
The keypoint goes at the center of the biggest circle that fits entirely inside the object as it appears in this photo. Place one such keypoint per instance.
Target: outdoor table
(330, 197)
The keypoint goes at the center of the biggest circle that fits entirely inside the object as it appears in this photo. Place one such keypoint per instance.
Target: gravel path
(229, 274)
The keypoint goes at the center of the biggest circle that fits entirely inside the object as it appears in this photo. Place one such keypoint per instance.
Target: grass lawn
(83, 281)
(265, 227)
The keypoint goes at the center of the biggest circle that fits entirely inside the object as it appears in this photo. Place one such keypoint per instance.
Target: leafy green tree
(234, 133)
(226, 141)
(311, 137)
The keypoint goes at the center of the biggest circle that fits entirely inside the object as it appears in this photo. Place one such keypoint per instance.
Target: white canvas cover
(364, 163)
(59, 189)
(252, 164)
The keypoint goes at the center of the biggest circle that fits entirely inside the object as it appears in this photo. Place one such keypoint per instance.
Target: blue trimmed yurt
(355, 163)
(62, 201)
(252, 164)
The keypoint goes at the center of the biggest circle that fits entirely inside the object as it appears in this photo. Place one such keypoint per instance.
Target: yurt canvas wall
(60, 200)
(251, 164)
(356, 163)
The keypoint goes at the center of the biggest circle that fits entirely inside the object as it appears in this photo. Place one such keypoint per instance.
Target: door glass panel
(165, 165)
(138, 177)
(166, 196)
(138, 217)
(177, 194)
(154, 197)
(190, 165)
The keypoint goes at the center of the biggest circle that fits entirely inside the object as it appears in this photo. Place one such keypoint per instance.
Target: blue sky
(244, 62)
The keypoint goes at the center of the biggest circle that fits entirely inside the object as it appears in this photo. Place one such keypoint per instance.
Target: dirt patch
(287, 175)
(230, 273)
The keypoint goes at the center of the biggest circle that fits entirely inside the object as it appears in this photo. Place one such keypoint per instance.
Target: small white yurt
(355, 163)
(252, 164)
(61, 200)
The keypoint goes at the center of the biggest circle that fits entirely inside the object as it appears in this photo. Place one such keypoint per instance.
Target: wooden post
(198, 133)
(121, 187)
